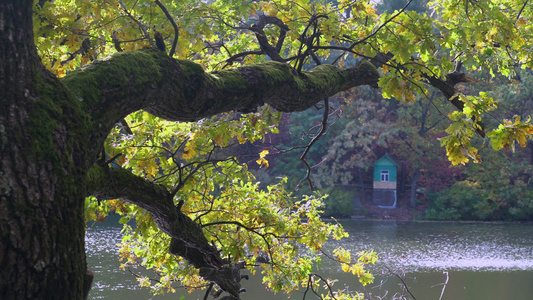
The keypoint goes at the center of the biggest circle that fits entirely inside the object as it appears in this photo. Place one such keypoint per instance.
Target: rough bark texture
(51, 132)
(42, 252)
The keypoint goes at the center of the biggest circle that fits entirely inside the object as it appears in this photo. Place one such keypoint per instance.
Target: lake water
(478, 260)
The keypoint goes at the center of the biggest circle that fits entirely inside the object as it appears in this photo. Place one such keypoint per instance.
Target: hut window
(385, 175)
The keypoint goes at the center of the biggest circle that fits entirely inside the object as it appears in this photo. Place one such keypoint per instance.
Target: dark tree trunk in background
(42, 253)
(414, 180)
(403, 179)
(361, 184)
(530, 146)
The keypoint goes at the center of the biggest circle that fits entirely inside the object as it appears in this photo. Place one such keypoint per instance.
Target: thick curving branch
(266, 47)
(181, 90)
(187, 237)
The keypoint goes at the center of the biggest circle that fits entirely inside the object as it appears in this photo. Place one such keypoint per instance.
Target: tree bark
(180, 90)
(188, 240)
(42, 253)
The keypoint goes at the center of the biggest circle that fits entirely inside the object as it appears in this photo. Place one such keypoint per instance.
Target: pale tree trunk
(42, 252)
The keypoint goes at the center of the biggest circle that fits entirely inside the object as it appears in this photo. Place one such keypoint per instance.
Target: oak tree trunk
(42, 253)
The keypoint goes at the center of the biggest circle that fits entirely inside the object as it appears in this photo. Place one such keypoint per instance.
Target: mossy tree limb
(181, 90)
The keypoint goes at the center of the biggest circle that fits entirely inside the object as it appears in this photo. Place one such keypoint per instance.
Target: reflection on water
(483, 261)
(429, 246)
(102, 257)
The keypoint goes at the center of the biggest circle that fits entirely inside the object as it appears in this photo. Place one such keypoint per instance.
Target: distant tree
(419, 124)
(516, 100)
(500, 188)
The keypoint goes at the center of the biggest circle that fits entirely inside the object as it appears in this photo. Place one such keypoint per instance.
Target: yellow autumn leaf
(151, 168)
(220, 138)
(346, 268)
(189, 151)
(241, 139)
(262, 161)
(357, 269)
(263, 153)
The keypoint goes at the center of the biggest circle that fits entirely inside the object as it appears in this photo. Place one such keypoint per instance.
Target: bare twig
(113, 158)
(176, 29)
(314, 140)
(209, 288)
(521, 10)
(404, 284)
(233, 58)
(307, 41)
(310, 284)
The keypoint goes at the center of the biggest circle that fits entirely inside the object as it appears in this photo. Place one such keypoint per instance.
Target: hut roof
(386, 160)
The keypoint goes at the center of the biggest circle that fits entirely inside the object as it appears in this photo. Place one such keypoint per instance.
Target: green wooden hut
(385, 177)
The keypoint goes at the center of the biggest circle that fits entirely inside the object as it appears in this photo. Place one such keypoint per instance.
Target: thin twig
(382, 25)
(208, 290)
(314, 140)
(403, 283)
(176, 29)
(521, 10)
(141, 26)
(112, 159)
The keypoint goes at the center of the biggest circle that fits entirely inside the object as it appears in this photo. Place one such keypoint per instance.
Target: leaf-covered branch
(188, 240)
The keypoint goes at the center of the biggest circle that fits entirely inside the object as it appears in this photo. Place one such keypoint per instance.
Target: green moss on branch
(181, 90)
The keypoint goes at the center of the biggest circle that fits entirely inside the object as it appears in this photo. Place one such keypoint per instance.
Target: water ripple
(415, 247)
